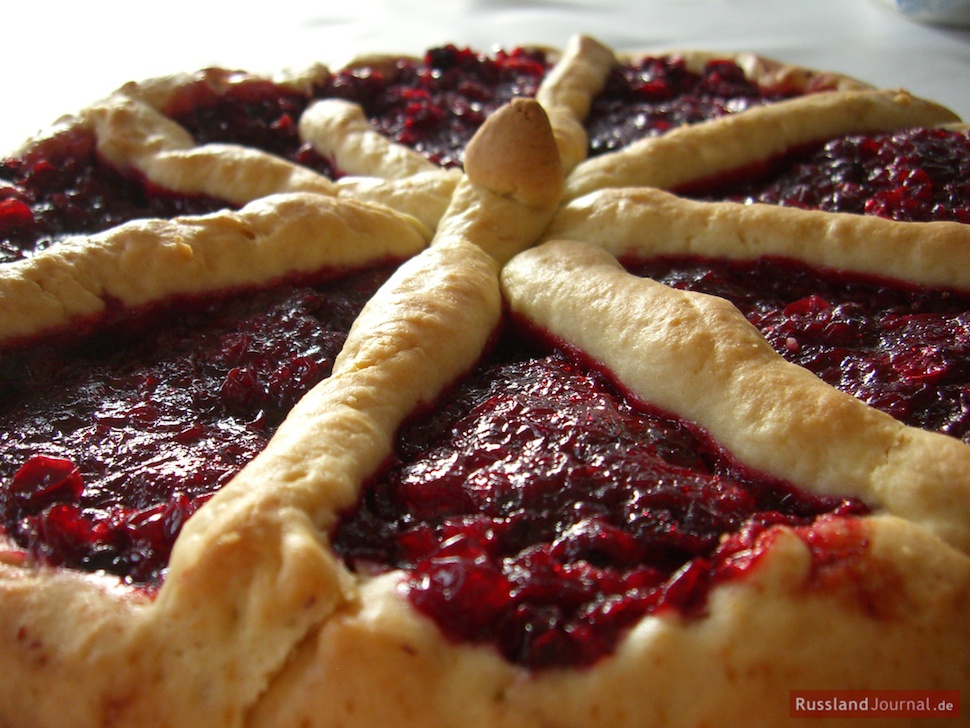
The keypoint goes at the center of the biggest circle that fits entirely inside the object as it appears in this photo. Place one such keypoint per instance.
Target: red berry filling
(902, 349)
(657, 94)
(434, 105)
(116, 438)
(251, 112)
(539, 509)
(916, 175)
(62, 188)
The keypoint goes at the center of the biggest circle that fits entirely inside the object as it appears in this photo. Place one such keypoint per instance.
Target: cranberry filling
(63, 188)
(902, 349)
(916, 175)
(539, 509)
(434, 105)
(251, 112)
(117, 438)
(657, 94)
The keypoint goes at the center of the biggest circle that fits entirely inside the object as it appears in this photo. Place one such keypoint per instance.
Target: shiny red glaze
(122, 434)
(539, 509)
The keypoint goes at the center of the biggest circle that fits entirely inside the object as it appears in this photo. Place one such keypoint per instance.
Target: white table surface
(60, 56)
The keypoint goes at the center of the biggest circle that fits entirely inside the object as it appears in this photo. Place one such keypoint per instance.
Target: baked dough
(692, 154)
(636, 222)
(258, 622)
(581, 72)
(150, 260)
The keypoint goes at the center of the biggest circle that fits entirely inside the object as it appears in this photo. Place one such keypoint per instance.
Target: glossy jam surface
(433, 105)
(916, 175)
(540, 510)
(902, 349)
(111, 442)
(657, 94)
(62, 188)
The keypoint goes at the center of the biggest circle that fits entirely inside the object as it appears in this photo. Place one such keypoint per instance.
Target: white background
(60, 56)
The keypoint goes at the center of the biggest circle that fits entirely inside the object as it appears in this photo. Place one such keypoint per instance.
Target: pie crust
(259, 622)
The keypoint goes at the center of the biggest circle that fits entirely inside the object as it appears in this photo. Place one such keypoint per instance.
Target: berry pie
(533, 388)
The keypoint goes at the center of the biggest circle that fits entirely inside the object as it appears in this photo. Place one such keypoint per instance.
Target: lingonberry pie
(529, 389)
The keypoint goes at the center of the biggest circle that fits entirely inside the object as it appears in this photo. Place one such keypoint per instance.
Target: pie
(540, 388)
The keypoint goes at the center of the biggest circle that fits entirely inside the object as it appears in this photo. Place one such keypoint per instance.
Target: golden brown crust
(567, 91)
(145, 261)
(424, 196)
(640, 222)
(339, 130)
(690, 154)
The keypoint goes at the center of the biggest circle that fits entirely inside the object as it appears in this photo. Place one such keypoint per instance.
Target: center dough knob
(530, 172)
